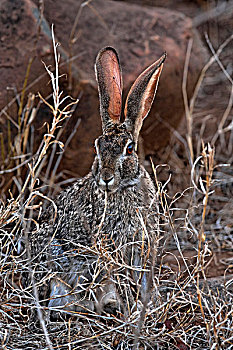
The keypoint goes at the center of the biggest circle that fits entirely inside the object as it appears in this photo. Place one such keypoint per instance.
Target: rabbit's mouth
(107, 184)
(112, 185)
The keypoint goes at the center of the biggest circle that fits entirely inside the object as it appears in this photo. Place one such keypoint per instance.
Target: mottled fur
(108, 216)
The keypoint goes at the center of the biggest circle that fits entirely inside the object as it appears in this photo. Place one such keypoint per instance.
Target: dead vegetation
(189, 304)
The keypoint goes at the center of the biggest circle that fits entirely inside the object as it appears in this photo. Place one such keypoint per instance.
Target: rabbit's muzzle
(107, 180)
(107, 177)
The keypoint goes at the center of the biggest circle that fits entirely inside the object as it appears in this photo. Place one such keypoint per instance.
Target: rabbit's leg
(61, 296)
(64, 298)
(141, 275)
(108, 299)
(60, 292)
(67, 289)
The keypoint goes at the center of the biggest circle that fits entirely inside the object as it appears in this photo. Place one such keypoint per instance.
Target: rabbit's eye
(130, 148)
(95, 151)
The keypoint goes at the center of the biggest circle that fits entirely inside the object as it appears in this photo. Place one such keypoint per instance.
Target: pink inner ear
(141, 96)
(113, 83)
(149, 94)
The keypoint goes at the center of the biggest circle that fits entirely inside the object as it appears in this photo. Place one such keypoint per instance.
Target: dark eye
(130, 148)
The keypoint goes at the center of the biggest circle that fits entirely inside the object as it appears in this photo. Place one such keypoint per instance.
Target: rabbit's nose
(107, 181)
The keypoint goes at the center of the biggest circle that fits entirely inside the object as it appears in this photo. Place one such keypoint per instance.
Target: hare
(112, 212)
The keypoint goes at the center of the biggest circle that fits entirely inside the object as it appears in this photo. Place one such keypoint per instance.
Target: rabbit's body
(110, 216)
(85, 203)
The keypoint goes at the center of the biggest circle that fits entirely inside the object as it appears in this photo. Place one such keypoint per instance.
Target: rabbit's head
(116, 163)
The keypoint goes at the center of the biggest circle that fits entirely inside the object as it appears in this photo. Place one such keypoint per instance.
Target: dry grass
(185, 309)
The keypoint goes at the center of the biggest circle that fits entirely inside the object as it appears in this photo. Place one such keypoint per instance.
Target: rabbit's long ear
(109, 79)
(141, 96)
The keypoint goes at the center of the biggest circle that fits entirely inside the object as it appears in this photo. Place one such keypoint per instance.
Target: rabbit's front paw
(62, 298)
(108, 300)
